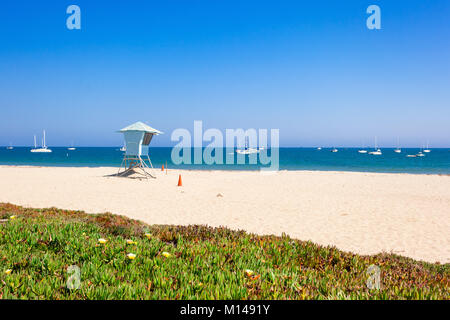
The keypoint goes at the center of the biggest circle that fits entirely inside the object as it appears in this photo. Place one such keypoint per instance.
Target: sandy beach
(365, 213)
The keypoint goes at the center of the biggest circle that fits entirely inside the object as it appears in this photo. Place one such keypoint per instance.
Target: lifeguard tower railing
(136, 159)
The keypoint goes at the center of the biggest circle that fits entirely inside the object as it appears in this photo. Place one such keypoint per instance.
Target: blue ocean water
(347, 159)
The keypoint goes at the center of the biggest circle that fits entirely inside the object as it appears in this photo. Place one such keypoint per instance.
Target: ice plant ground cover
(38, 246)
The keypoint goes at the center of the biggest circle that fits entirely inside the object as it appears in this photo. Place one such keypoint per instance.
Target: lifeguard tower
(137, 140)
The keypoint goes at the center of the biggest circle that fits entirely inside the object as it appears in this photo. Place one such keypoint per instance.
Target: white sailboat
(319, 148)
(398, 150)
(71, 148)
(10, 147)
(334, 150)
(427, 150)
(247, 149)
(43, 149)
(123, 149)
(377, 151)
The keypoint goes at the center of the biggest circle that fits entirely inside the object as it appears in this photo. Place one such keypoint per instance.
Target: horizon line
(280, 147)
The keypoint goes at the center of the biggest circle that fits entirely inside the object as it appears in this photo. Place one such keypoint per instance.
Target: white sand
(366, 213)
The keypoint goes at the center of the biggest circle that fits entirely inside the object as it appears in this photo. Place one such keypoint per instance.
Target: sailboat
(398, 150)
(10, 147)
(71, 148)
(43, 149)
(247, 149)
(319, 148)
(377, 151)
(334, 150)
(427, 150)
(123, 149)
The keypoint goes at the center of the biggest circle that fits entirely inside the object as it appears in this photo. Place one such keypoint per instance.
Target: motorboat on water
(420, 154)
(362, 150)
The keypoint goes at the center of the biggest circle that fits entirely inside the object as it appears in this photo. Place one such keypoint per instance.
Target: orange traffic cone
(162, 168)
(180, 184)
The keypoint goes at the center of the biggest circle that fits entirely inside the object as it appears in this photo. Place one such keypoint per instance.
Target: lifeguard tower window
(147, 138)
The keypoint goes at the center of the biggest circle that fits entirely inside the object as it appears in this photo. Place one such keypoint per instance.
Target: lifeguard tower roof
(140, 126)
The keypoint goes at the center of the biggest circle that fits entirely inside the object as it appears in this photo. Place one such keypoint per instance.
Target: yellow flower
(12, 217)
(148, 235)
(101, 240)
(8, 271)
(248, 272)
(131, 242)
(166, 254)
(131, 256)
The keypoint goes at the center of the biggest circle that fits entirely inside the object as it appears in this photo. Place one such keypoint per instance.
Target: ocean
(347, 159)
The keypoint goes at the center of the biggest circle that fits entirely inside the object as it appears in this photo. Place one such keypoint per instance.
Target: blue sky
(311, 69)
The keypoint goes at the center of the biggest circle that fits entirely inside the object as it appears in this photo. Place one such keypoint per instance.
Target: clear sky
(309, 68)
